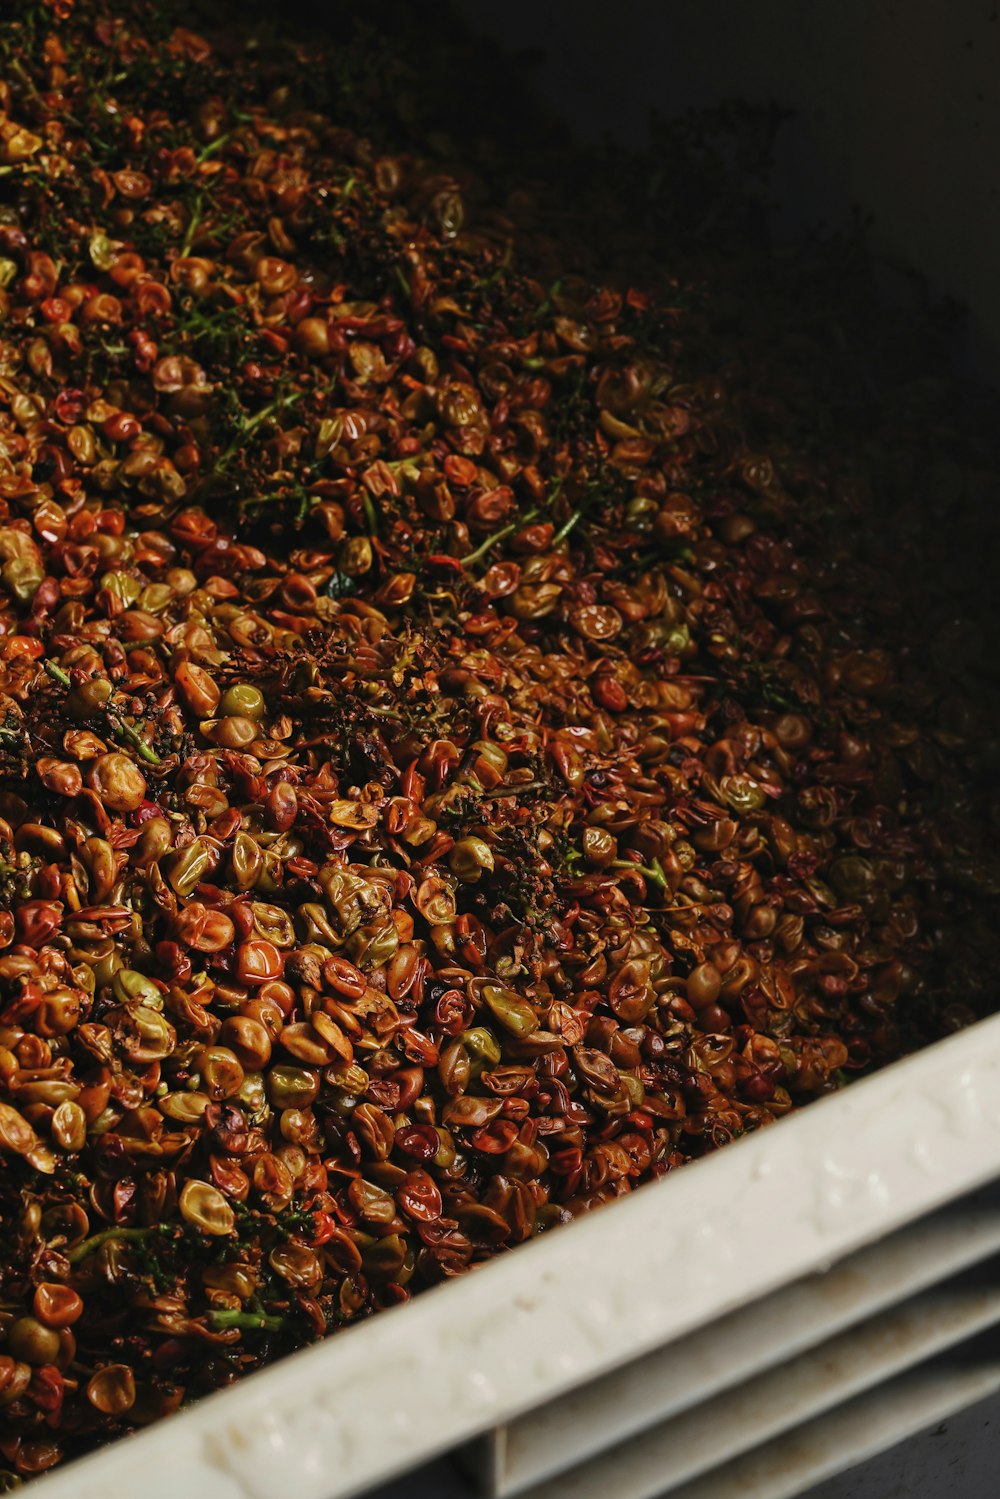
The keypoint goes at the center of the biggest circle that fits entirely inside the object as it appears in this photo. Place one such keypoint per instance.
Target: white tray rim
(388, 1394)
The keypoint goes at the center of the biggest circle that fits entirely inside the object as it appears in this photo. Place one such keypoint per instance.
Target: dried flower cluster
(441, 785)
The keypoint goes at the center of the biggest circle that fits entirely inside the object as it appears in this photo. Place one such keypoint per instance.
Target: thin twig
(57, 674)
(219, 1320)
(252, 423)
(117, 723)
(564, 530)
(213, 146)
(654, 872)
(129, 732)
(491, 541)
(106, 1234)
(192, 227)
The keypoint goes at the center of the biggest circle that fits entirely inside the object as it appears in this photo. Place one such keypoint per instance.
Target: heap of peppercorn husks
(452, 771)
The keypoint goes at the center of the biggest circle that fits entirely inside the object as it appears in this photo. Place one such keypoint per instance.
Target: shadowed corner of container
(889, 119)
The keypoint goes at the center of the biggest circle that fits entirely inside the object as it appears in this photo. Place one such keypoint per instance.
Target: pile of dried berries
(449, 775)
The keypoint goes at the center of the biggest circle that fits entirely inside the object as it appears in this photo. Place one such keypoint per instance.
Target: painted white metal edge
(680, 1450)
(746, 1343)
(382, 1397)
(847, 1437)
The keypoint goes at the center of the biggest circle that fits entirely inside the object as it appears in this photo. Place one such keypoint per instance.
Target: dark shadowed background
(897, 106)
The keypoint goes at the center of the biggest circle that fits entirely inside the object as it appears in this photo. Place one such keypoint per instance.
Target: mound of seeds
(451, 772)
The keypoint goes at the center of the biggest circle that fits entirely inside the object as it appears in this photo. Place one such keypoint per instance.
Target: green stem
(214, 146)
(220, 1320)
(546, 301)
(491, 541)
(370, 516)
(278, 404)
(105, 1236)
(564, 531)
(251, 424)
(16, 66)
(122, 729)
(57, 674)
(132, 735)
(654, 872)
(192, 228)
